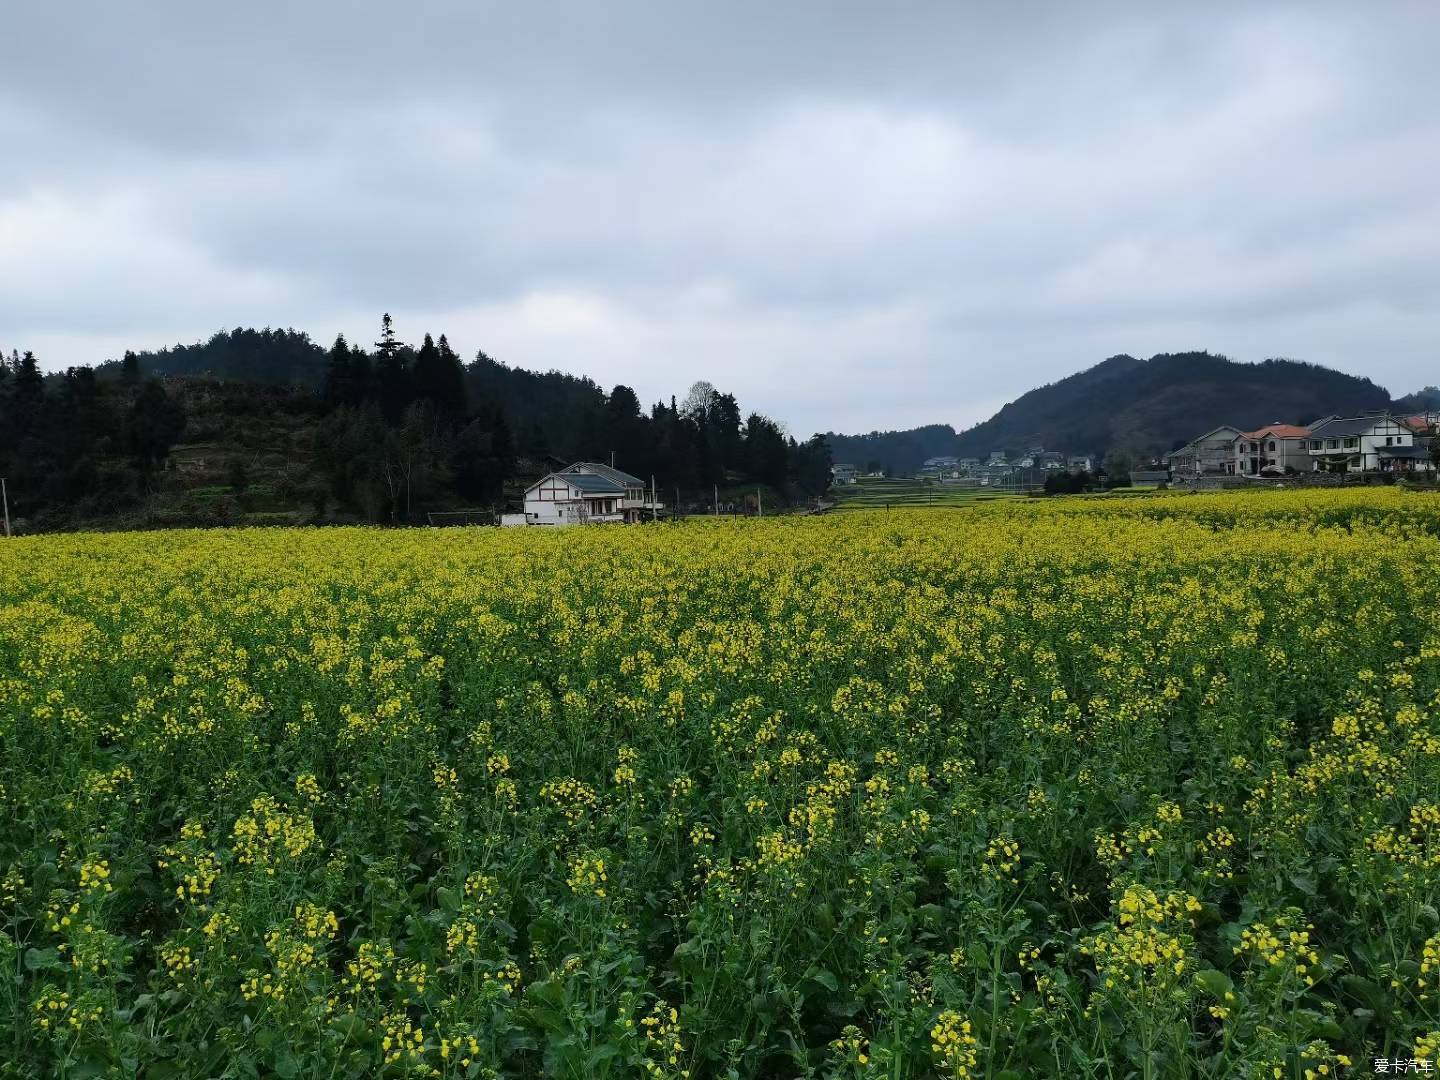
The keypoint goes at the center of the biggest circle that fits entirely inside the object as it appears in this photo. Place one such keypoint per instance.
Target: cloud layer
(852, 215)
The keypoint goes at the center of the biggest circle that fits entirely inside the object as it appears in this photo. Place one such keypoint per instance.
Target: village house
(1377, 443)
(843, 474)
(585, 493)
(1212, 454)
(1050, 459)
(1274, 449)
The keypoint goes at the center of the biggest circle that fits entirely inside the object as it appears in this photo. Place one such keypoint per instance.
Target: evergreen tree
(439, 378)
(626, 431)
(765, 450)
(810, 463)
(425, 376)
(362, 379)
(338, 389)
(391, 374)
(724, 431)
(130, 368)
(29, 387)
(154, 424)
(453, 398)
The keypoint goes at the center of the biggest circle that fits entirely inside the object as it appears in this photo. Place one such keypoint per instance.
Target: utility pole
(759, 503)
(717, 500)
(654, 511)
(612, 459)
(5, 498)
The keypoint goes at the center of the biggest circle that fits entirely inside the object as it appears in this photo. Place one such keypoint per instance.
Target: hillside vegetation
(1143, 407)
(264, 427)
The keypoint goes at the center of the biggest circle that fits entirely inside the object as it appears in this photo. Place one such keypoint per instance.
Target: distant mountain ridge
(1146, 407)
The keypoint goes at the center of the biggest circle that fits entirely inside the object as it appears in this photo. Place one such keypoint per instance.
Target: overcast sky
(852, 216)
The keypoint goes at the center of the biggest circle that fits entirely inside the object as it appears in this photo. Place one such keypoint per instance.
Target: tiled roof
(1280, 431)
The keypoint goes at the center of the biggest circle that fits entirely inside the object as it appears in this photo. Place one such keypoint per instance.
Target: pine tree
(392, 375)
(338, 389)
(452, 401)
(362, 379)
(425, 375)
(130, 368)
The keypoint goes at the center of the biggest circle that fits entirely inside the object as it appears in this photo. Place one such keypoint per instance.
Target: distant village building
(1274, 448)
(843, 474)
(1375, 442)
(1382, 443)
(1212, 454)
(585, 493)
(1078, 463)
(997, 457)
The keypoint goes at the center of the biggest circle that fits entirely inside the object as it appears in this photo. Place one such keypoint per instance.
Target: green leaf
(41, 959)
(1215, 983)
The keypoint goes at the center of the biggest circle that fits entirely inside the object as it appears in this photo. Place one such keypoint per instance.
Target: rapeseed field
(1115, 787)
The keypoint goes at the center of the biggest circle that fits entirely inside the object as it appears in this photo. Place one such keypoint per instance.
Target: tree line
(73, 436)
(404, 421)
(398, 429)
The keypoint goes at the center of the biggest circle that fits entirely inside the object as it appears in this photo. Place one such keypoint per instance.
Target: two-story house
(1273, 448)
(586, 493)
(1373, 443)
(1212, 454)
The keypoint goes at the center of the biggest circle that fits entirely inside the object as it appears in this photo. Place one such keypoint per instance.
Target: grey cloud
(854, 215)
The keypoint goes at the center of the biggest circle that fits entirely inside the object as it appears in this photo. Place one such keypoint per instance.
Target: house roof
(1193, 443)
(1421, 424)
(591, 484)
(586, 483)
(1280, 431)
(1403, 451)
(1349, 425)
(624, 479)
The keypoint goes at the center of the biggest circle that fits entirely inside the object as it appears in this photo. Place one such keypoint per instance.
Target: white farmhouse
(1366, 443)
(585, 493)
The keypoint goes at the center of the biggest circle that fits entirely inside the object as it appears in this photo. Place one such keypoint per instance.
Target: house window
(1389, 440)
(1331, 444)
(1314, 444)
(1351, 443)
(1271, 447)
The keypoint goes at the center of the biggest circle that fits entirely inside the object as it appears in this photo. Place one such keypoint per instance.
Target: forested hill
(1146, 407)
(263, 426)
